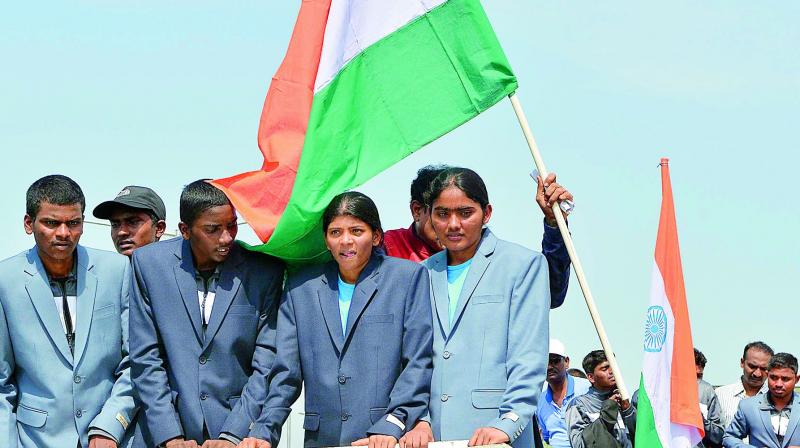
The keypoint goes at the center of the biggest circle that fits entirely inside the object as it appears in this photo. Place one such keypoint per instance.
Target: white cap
(557, 348)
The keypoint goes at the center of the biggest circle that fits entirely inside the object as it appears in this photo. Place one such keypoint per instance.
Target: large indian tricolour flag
(364, 84)
(668, 414)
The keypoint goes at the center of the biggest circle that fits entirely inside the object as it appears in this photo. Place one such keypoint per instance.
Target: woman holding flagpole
(491, 301)
(356, 332)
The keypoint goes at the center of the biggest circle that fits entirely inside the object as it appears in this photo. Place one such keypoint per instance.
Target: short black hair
(422, 182)
(699, 359)
(783, 360)
(757, 346)
(592, 360)
(464, 179)
(355, 204)
(55, 189)
(198, 197)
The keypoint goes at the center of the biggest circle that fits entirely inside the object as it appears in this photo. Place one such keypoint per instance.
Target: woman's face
(350, 241)
(457, 221)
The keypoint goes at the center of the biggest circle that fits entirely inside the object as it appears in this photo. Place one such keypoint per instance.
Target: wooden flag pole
(573, 255)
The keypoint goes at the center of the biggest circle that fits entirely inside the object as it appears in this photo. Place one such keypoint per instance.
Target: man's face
(56, 230)
(133, 228)
(781, 382)
(603, 378)
(423, 225)
(699, 370)
(211, 236)
(557, 367)
(754, 368)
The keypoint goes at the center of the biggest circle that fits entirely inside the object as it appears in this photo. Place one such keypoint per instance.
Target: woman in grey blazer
(491, 300)
(356, 332)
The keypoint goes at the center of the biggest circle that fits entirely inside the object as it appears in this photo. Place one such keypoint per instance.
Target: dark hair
(758, 346)
(783, 360)
(464, 179)
(55, 189)
(699, 358)
(198, 197)
(355, 204)
(592, 360)
(576, 373)
(422, 182)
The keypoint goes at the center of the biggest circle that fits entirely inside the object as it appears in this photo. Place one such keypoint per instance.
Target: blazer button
(203, 360)
(77, 379)
(446, 355)
(345, 416)
(204, 396)
(79, 413)
(445, 397)
(342, 379)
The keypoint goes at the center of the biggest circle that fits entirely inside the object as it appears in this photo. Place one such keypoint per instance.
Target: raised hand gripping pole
(573, 255)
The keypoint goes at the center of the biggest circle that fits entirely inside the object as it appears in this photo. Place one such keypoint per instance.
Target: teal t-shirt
(345, 297)
(455, 282)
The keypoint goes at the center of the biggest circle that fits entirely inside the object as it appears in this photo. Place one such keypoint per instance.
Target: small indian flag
(668, 413)
(364, 84)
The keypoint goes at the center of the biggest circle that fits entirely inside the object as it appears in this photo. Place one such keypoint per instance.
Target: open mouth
(348, 254)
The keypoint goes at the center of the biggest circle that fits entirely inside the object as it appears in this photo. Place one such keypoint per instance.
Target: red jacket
(404, 243)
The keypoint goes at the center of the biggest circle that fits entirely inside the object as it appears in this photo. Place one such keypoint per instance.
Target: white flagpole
(573, 255)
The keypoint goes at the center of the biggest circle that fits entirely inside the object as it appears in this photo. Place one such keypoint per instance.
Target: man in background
(600, 417)
(560, 390)
(769, 420)
(709, 406)
(754, 362)
(137, 216)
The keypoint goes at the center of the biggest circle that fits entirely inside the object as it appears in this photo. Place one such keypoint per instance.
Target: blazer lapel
(184, 276)
(794, 418)
(87, 289)
(42, 298)
(763, 410)
(480, 262)
(227, 287)
(439, 295)
(366, 285)
(328, 296)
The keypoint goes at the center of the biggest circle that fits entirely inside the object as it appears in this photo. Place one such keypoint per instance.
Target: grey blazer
(374, 378)
(49, 397)
(189, 383)
(489, 364)
(752, 420)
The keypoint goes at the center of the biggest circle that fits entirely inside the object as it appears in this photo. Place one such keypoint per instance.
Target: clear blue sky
(162, 93)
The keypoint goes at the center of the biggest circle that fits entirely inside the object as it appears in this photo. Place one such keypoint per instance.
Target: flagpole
(573, 255)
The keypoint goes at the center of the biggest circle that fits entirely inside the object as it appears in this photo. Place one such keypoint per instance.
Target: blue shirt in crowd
(345, 297)
(455, 282)
(552, 417)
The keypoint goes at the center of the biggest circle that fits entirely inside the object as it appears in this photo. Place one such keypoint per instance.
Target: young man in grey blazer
(203, 313)
(64, 372)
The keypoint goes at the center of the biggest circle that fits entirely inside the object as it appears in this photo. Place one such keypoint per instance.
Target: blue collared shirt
(552, 417)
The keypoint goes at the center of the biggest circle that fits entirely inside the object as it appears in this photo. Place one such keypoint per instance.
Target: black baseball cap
(133, 196)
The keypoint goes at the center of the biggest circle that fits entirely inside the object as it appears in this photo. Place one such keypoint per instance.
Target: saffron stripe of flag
(363, 85)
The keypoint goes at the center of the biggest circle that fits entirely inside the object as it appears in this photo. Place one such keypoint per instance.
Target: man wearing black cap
(137, 218)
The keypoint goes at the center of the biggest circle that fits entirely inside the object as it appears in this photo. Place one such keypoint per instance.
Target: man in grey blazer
(203, 313)
(769, 420)
(64, 375)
